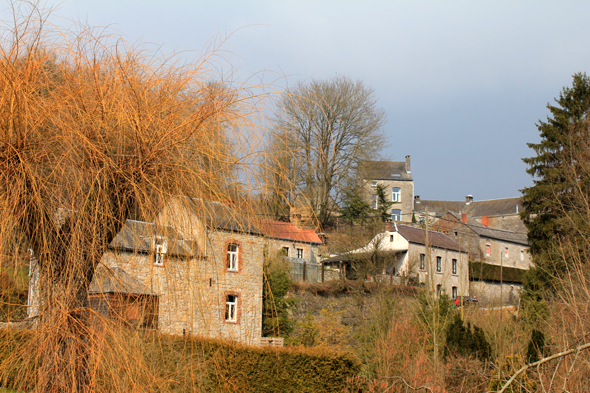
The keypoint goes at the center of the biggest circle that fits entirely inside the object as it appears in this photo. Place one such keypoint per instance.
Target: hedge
(180, 364)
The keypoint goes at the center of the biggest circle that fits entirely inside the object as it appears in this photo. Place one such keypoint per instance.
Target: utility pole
(433, 293)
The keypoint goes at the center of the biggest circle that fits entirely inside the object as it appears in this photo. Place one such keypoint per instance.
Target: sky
(462, 83)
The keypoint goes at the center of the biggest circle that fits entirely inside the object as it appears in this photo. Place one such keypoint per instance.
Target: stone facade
(193, 279)
(398, 185)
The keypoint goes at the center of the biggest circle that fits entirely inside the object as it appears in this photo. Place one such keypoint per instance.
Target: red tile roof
(286, 230)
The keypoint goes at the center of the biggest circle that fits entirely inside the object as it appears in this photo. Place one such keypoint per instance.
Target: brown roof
(137, 236)
(494, 233)
(219, 216)
(492, 207)
(384, 170)
(286, 230)
(116, 280)
(435, 239)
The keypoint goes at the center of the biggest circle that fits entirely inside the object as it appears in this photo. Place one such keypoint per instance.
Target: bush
(462, 341)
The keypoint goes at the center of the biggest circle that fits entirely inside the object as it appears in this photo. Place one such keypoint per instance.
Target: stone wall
(406, 204)
(494, 294)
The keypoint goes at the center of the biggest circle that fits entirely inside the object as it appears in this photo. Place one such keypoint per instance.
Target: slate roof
(137, 236)
(288, 231)
(219, 216)
(384, 170)
(492, 207)
(494, 233)
(435, 239)
(116, 280)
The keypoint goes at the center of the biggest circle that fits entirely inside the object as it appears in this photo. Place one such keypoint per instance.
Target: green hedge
(487, 272)
(180, 364)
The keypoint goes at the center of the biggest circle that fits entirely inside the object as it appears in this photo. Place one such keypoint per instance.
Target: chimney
(485, 222)
(468, 199)
(389, 227)
(464, 218)
(416, 198)
(408, 163)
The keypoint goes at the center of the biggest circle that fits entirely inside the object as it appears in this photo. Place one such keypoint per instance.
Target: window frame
(422, 265)
(160, 248)
(396, 213)
(439, 264)
(454, 292)
(227, 259)
(454, 266)
(375, 201)
(488, 249)
(299, 253)
(228, 304)
(396, 194)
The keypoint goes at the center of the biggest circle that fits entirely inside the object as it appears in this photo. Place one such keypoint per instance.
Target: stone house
(409, 255)
(397, 180)
(501, 213)
(299, 246)
(498, 257)
(198, 270)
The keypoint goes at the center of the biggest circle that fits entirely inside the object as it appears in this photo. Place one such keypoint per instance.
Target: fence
(297, 266)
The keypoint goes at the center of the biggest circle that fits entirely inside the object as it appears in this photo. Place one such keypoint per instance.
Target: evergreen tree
(383, 204)
(552, 203)
(355, 208)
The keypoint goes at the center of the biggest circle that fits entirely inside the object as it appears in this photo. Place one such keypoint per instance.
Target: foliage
(182, 364)
(276, 320)
(555, 206)
(325, 330)
(536, 346)
(460, 340)
(523, 383)
(322, 129)
(355, 208)
(383, 204)
(94, 132)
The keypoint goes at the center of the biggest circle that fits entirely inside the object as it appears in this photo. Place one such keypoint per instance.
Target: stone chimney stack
(408, 163)
(468, 199)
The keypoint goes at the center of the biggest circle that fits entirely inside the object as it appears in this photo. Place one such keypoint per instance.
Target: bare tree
(325, 127)
(100, 133)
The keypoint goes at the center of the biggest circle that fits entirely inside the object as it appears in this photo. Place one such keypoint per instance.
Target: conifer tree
(552, 203)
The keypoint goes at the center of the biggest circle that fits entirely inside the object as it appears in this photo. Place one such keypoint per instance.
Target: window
(232, 257)
(454, 292)
(396, 215)
(231, 308)
(488, 250)
(454, 267)
(285, 251)
(506, 252)
(522, 255)
(375, 201)
(422, 256)
(160, 246)
(438, 289)
(391, 238)
(396, 195)
(300, 253)
(373, 184)
(438, 264)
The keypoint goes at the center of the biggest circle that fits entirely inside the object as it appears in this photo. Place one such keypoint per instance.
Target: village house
(196, 270)
(498, 257)
(396, 178)
(300, 247)
(503, 213)
(412, 255)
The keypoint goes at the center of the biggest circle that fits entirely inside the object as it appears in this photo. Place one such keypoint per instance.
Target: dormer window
(160, 247)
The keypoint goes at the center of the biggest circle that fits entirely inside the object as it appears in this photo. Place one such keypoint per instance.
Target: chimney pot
(469, 199)
(464, 218)
(408, 163)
